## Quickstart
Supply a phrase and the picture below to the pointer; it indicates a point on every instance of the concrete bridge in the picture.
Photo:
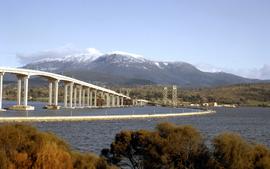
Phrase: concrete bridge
(77, 93)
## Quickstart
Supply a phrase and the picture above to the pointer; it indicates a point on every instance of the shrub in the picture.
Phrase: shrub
(23, 147)
(89, 161)
(170, 146)
(233, 152)
(182, 147)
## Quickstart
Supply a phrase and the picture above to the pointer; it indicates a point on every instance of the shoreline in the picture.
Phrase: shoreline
(95, 118)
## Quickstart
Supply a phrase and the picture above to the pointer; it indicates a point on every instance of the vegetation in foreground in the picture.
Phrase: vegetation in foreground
(169, 146)
(182, 147)
(24, 147)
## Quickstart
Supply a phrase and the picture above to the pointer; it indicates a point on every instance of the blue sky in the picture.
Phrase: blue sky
(228, 35)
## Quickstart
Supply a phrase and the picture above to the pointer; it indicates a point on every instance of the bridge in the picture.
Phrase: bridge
(77, 93)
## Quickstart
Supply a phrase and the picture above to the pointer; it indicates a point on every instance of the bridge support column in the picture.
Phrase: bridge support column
(113, 101)
(83, 97)
(23, 106)
(50, 93)
(95, 98)
(91, 98)
(107, 100)
(65, 95)
(19, 90)
(80, 96)
(103, 99)
(1, 90)
(134, 102)
(25, 82)
(118, 101)
(56, 92)
(53, 102)
(122, 101)
(88, 97)
(70, 94)
(75, 96)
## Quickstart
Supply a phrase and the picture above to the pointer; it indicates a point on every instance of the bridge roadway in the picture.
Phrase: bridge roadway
(77, 93)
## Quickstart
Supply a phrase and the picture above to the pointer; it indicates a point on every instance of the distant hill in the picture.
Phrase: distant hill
(241, 94)
(127, 69)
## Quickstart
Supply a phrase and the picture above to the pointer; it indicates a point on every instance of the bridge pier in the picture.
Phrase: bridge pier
(95, 98)
(80, 96)
(65, 94)
(56, 93)
(134, 102)
(83, 98)
(70, 94)
(75, 96)
(19, 106)
(117, 101)
(53, 92)
(50, 93)
(122, 101)
(19, 89)
(88, 97)
(107, 100)
(1, 90)
(113, 101)
(25, 94)
(103, 98)
(91, 99)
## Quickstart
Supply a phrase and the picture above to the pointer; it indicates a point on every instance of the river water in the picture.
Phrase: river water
(91, 136)
(39, 111)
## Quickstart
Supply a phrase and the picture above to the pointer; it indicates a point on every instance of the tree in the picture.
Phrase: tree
(170, 146)
(233, 152)
(182, 147)
(23, 147)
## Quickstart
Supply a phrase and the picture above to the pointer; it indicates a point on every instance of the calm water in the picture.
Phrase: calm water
(251, 123)
(39, 111)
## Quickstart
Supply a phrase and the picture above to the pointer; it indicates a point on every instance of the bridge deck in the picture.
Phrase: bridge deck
(76, 87)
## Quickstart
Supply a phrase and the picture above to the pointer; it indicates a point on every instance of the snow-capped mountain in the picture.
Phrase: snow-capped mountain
(130, 69)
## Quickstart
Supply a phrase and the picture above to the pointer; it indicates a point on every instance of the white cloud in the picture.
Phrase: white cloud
(255, 73)
(94, 52)
(55, 53)
(208, 68)
(126, 53)
(66, 51)
(265, 71)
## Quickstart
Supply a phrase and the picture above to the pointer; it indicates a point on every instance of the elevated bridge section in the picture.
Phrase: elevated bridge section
(77, 93)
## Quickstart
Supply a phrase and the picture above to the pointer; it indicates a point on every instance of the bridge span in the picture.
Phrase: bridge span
(77, 93)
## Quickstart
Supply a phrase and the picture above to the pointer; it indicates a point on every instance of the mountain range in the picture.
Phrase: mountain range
(120, 68)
